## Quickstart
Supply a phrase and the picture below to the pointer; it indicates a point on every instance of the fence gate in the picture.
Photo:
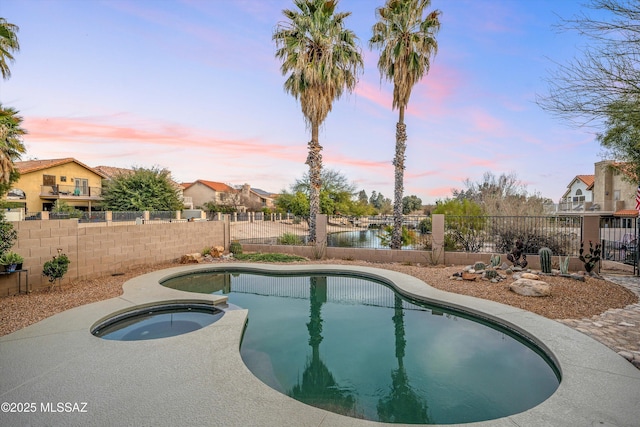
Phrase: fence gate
(620, 240)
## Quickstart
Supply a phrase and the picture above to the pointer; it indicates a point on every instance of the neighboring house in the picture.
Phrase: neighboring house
(613, 195)
(605, 193)
(43, 182)
(579, 192)
(257, 198)
(202, 191)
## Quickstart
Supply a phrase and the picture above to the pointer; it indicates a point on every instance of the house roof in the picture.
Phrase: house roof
(626, 212)
(215, 186)
(262, 193)
(29, 166)
(110, 171)
(587, 179)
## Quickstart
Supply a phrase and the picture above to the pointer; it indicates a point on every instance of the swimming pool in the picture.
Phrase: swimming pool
(356, 347)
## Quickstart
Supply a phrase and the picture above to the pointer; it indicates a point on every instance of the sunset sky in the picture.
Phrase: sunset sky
(193, 86)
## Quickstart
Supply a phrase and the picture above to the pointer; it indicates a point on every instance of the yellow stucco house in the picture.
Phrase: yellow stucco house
(42, 182)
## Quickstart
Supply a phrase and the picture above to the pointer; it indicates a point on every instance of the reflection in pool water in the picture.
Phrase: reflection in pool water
(355, 347)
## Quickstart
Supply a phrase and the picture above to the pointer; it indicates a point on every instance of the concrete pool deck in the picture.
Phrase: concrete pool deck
(199, 378)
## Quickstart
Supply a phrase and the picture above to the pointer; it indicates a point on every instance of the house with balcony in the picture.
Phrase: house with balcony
(606, 193)
(43, 182)
(579, 193)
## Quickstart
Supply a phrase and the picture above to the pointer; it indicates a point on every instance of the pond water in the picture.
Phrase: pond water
(366, 239)
(354, 346)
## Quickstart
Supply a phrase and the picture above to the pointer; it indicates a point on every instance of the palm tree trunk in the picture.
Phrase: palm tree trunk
(314, 160)
(398, 162)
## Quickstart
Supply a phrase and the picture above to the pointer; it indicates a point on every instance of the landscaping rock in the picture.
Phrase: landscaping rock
(530, 276)
(217, 251)
(531, 288)
(194, 258)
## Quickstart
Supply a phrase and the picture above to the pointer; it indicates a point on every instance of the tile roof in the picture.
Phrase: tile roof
(626, 212)
(111, 171)
(29, 166)
(587, 179)
(215, 186)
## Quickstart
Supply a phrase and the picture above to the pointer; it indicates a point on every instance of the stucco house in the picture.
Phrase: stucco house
(612, 194)
(579, 191)
(43, 182)
(255, 198)
(203, 191)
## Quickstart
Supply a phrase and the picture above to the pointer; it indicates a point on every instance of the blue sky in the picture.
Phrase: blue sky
(194, 86)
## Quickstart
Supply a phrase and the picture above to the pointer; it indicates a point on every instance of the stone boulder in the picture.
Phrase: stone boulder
(530, 276)
(217, 251)
(194, 258)
(531, 288)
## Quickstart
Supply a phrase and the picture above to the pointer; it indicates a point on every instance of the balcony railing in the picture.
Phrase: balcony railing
(69, 191)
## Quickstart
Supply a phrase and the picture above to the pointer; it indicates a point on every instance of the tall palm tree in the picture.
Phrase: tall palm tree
(11, 146)
(322, 59)
(8, 45)
(407, 43)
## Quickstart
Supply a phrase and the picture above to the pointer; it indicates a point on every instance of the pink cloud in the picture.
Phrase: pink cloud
(86, 131)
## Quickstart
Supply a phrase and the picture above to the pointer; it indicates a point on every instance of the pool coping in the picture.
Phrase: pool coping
(199, 378)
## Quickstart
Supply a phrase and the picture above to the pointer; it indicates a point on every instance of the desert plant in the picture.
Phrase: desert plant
(516, 253)
(495, 260)
(564, 265)
(545, 260)
(235, 248)
(206, 251)
(290, 239)
(591, 259)
(56, 268)
(491, 274)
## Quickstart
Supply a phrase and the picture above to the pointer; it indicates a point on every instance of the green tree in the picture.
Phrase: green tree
(11, 146)
(321, 58)
(621, 138)
(295, 203)
(407, 42)
(8, 45)
(411, 203)
(143, 190)
(464, 224)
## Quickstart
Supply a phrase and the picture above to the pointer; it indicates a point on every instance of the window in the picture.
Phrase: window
(82, 187)
(48, 180)
(616, 195)
(63, 179)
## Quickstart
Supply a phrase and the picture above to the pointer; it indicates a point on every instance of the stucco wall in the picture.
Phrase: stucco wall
(103, 250)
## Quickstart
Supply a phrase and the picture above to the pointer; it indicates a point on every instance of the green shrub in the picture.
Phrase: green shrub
(206, 251)
(260, 257)
(290, 239)
(8, 235)
(408, 236)
(56, 268)
(235, 248)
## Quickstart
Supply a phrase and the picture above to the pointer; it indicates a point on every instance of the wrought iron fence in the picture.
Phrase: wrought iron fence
(374, 232)
(499, 234)
(620, 240)
(289, 230)
(126, 216)
(93, 216)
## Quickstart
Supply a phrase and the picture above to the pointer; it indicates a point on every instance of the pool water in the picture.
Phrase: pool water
(157, 322)
(354, 346)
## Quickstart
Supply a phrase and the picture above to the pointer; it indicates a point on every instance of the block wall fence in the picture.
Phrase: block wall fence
(105, 248)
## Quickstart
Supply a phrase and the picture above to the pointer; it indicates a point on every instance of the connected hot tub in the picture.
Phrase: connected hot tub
(157, 321)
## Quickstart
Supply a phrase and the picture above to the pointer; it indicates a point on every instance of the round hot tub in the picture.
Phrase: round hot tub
(158, 321)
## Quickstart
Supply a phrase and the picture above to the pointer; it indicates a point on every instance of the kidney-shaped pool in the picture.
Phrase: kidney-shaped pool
(357, 347)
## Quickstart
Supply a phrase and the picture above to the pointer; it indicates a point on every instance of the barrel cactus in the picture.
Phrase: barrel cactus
(545, 260)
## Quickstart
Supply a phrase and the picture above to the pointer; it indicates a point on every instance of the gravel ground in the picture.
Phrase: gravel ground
(569, 299)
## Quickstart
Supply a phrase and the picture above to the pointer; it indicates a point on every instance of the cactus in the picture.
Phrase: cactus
(491, 274)
(545, 260)
(564, 265)
(479, 266)
(495, 260)
(515, 255)
(591, 259)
